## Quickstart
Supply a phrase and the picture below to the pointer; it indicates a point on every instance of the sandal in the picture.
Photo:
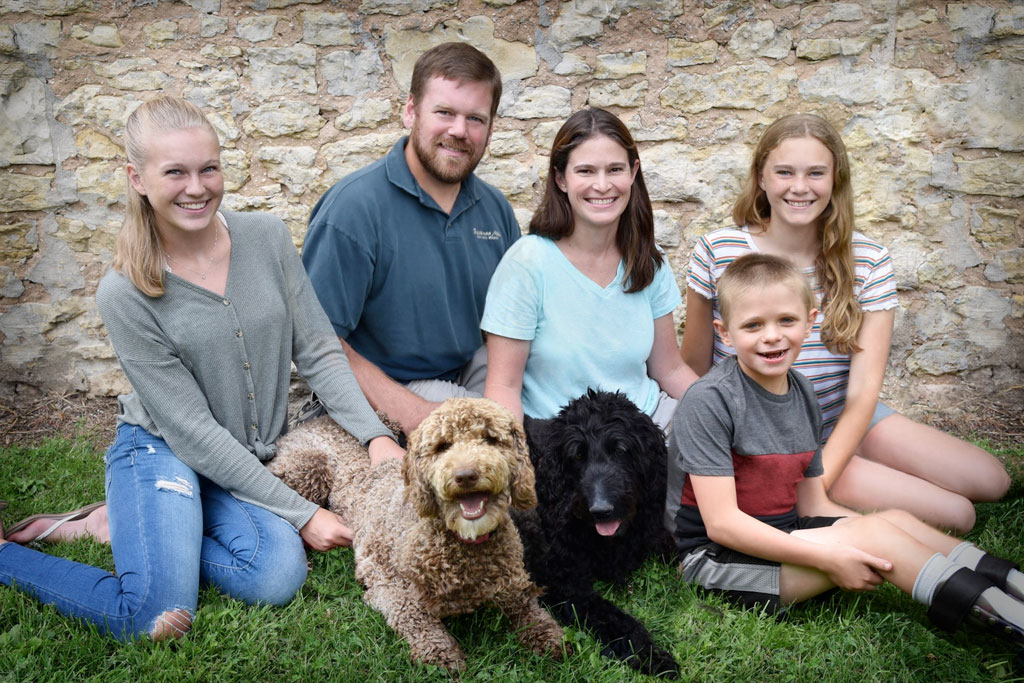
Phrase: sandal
(58, 520)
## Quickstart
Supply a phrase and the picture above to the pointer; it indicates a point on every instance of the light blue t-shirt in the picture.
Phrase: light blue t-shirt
(581, 334)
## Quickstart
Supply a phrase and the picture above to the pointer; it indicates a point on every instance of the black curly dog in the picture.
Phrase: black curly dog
(600, 468)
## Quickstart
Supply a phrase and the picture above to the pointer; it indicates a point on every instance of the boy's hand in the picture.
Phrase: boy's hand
(852, 569)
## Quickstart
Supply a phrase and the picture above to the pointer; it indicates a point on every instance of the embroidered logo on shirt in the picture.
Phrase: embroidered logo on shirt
(486, 234)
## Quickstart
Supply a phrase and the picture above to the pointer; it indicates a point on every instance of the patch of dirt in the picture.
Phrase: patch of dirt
(28, 421)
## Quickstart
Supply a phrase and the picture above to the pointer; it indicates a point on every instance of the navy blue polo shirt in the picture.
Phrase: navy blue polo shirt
(401, 280)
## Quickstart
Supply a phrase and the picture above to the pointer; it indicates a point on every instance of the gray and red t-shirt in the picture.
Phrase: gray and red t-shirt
(728, 425)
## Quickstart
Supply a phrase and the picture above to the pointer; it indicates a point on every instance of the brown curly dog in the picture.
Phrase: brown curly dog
(443, 544)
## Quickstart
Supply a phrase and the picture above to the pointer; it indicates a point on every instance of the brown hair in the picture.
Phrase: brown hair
(635, 235)
(833, 267)
(755, 271)
(459, 62)
(138, 254)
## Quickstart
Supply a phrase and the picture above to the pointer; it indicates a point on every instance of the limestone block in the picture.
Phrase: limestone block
(621, 65)
(514, 60)
(508, 175)
(57, 271)
(572, 65)
(210, 26)
(290, 118)
(292, 166)
(855, 46)
(995, 227)
(345, 156)
(1007, 266)
(614, 95)
(668, 230)
(760, 39)
(500, 3)
(543, 135)
(220, 80)
(523, 217)
(204, 6)
(25, 329)
(215, 51)
(984, 109)
(18, 241)
(670, 128)
(19, 192)
(400, 8)
(326, 28)
(687, 53)
(614, 9)
(294, 214)
(816, 49)
(160, 33)
(24, 126)
(261, 5)
(751, 86)
(352, 73)
(141, 81)
(110, 382)
(728, 13)
(508, 143)
(48, 8)
(677, 172)
(1009, 22)
(572, 29)
(40, 37)
(944, 356)
(935, 319)
(974, 21)
(256, 29)
(88, 236)
(907, 250)
(235, 168)
(367, 112)
(984, 312)
(911, 19)
(1002, 175)
(11, 287)
(122, 66)
(275, 70)
(7, 44)
(813, 17)
(85, 106)
(861, 85)
(542, 102)
(102, 35)
(102, 179)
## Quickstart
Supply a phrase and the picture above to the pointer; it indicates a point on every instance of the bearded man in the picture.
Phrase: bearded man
(400, 252)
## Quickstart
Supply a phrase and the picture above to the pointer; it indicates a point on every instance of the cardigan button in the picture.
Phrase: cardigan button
(251, 396)
(238, 333)
(227, 302)
(246, 366)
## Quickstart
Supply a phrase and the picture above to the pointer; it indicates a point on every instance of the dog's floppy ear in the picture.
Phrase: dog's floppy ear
(417, 489)
(524, 495)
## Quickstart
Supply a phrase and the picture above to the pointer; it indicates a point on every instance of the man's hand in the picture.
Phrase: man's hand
(325, 530)
(382, 448)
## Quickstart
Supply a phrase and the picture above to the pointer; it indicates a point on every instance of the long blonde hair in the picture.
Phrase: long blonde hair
(833, 266)
(138, 254)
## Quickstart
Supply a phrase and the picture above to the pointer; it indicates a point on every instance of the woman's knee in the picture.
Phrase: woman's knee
(175, 623)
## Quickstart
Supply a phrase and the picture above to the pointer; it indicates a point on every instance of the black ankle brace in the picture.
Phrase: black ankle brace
(954, 599)
(995, 569)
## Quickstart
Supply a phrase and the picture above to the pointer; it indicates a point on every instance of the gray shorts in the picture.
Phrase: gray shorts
(747, 580)
(882, 411)
(469, 383)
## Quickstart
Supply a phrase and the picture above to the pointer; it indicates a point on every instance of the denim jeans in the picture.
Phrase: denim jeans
(170, 531)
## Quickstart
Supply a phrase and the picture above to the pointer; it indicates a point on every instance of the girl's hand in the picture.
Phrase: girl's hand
(382, 448)
(325, 530)
(852, 569)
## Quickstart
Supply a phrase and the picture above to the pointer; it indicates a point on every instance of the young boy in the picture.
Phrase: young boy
(755, 522)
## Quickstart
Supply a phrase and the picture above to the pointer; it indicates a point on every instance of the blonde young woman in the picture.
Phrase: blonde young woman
(206, 311)
(797, 203)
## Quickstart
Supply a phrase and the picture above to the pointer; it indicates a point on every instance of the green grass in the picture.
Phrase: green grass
(327, 633)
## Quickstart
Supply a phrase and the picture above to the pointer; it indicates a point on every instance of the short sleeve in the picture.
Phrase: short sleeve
(875, 276)
(699, 275)
(702, 431)
(512, 307)
(664, 291)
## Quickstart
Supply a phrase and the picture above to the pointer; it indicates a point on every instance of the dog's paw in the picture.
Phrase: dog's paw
(443, 656)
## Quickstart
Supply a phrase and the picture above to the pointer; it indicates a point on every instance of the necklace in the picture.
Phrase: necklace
(209, 259)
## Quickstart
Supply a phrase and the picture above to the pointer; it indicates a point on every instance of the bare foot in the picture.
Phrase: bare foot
(94, 525)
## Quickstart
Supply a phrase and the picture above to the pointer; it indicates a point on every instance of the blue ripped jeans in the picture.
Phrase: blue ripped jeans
(170, 530)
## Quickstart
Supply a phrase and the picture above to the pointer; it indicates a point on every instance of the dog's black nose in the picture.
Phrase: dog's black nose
(466, 477)
(601, 508)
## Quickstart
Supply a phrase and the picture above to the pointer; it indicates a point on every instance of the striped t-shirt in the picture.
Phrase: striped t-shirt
(874, 286)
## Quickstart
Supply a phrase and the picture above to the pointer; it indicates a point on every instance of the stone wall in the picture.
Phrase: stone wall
(929, 97)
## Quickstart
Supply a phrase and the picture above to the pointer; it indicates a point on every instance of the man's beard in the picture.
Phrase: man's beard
(444, 168)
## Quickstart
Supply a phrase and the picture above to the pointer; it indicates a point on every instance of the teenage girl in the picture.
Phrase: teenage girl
(797, 203)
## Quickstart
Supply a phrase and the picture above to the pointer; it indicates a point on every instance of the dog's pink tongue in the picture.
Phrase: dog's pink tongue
(607, 528)
(473, 505)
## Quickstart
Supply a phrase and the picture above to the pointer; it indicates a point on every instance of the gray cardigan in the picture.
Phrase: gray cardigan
(210, 373)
